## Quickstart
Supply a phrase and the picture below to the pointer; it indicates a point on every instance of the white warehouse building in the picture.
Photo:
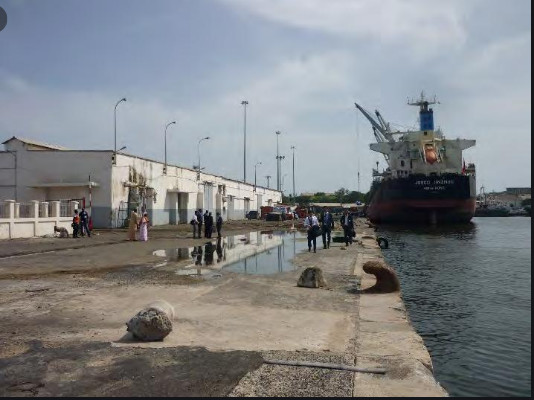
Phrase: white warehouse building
(112, 184)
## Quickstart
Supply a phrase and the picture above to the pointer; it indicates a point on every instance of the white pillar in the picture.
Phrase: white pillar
(73, 205)
(10, 208)
(55, 209)
(34, 209)
(16, 210)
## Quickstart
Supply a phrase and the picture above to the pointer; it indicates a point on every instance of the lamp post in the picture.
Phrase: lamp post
(258, 163)
(244, 103)
(166, 126)
(206, 138)
(115, 121)
(278, 162)
(294, 194)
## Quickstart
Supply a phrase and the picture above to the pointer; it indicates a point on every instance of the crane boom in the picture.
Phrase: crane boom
(385, 135)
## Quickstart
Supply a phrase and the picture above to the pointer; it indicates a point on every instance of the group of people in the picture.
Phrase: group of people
(136, 223)
(80, 224)
(324, 225)
(206, 219)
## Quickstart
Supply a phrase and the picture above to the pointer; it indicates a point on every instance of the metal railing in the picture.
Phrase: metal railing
(64, 208)
(25, 210)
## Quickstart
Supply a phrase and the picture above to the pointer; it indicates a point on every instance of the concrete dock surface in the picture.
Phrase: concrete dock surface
(64, 305)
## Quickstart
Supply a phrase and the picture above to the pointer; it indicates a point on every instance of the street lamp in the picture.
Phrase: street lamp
(258, 163)
(244, 103)
(206, 138)
(278, 162)
(122, 148)
(294, 194)
(115, 120)
(166, 126)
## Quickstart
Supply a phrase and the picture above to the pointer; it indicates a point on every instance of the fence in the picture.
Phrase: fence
(30, 219)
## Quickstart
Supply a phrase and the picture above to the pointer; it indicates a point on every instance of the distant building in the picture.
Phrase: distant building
(523, 190)
(114, 184)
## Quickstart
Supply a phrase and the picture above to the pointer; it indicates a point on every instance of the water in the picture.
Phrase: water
(262, 253)
(468, 293)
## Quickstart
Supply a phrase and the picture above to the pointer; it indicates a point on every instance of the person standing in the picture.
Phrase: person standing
(327, 224)
(75, 224)
(348, 226)
(219, 224)
(132, 224)
(143, 228)
(194, 223)
(200, 219)
(84, 221)
(206, 223)
(312, 225)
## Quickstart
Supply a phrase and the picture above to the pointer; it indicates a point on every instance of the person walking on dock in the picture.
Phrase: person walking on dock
(219, 224)
(75, 224)
(84, 223)
(312, 224)
(327, 224)
(348, 227)
(143, 228)
(205, 218)
(200, 219)
(132, 224)
(194, 224)
(209, 225)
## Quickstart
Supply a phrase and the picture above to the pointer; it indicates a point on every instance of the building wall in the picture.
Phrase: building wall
(178, 193)
(65, 167)
(168, 198)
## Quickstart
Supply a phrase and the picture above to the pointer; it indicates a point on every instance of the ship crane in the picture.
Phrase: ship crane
(381, 129)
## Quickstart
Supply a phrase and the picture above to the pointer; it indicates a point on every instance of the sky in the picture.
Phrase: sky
(301, 65)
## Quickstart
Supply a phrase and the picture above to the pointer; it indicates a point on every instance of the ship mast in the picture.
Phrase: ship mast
(426, 114)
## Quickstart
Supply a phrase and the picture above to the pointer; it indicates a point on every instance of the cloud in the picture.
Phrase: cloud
(427, 26)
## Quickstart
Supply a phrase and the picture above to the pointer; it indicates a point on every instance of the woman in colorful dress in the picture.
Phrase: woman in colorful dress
(132, 224)
(143, 228)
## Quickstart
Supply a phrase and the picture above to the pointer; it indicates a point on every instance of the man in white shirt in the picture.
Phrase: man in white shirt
(194, 223)
(312, 225)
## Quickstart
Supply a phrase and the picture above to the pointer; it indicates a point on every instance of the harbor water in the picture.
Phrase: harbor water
(467, 290)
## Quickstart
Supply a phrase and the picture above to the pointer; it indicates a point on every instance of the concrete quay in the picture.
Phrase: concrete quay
(63, 325)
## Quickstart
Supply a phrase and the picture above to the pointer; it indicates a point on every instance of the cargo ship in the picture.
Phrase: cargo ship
(426, 179)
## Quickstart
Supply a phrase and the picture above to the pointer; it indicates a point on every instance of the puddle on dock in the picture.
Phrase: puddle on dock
(258, 253)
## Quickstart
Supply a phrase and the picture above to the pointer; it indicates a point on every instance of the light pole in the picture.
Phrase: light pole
(166, 126)
(115, 121)
(294, 194)
(206, 138)
(258, 163)
(244, 103)
(268, 180)
(279, 159)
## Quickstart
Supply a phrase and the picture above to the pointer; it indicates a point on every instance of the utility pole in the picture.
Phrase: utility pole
(294, 193)
(244, 104)
(268, 177)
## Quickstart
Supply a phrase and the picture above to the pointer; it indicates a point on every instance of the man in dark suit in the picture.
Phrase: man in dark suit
(327, 224)
(348, 226)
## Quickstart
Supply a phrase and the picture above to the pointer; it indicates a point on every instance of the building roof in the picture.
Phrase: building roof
(36, 143)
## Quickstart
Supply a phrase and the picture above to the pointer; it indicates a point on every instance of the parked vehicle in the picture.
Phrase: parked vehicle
(253, 214)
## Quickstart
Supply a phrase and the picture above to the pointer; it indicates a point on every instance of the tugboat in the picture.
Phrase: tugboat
(426, 180)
